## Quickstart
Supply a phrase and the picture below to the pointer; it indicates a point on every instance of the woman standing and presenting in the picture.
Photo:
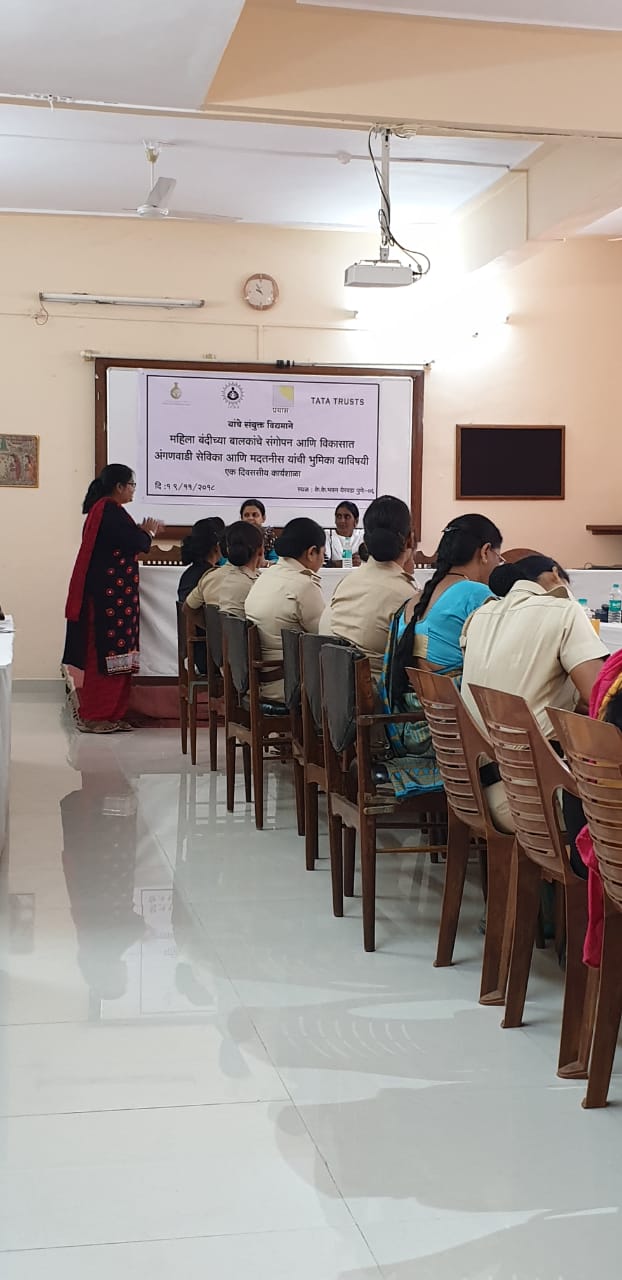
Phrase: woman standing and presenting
(102, 609)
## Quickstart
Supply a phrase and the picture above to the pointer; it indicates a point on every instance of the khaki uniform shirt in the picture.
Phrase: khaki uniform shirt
(289, 597)
(226, 587)
(528, 644)
(363, 605)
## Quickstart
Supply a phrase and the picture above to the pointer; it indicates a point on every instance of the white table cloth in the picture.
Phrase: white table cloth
(158, 593)
(158, 620)
(6, 661)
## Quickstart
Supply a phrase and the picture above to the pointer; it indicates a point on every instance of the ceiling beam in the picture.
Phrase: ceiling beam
(382, 68)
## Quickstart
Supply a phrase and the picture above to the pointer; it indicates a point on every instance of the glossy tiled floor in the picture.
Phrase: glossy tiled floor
(205, 1076)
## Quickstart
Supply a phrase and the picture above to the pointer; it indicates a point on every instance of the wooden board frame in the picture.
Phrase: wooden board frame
(509, 497)
(177, 531)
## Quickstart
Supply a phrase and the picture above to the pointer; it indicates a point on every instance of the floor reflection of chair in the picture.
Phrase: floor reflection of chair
(593, 750)
(292, 695)
(354, 802)
(459, 747)
(533, 775)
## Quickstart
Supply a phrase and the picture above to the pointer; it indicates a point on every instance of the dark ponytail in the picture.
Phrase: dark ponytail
(202, 540)
(461, 540)
(244, 540)
(105, 484)
(387, 525)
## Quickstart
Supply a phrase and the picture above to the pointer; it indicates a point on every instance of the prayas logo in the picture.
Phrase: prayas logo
(282, 398)
(233, 393)
(175, 391)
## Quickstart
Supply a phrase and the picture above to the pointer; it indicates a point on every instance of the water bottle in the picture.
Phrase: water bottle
(615, 604)
(346, 555)
(585, 606)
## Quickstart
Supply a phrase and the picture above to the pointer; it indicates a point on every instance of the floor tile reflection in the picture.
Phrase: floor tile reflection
(203, 1072)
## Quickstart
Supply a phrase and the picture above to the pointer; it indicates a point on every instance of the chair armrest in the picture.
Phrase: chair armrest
(274, 668)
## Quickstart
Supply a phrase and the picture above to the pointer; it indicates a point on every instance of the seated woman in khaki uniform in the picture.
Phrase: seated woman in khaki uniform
(289, 594)
(537, 642)
(365, 601)
(228, 586)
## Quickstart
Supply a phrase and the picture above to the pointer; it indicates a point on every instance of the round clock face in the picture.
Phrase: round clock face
(260, 292)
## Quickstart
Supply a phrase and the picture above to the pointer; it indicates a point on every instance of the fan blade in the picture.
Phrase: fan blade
(159, 191)
(183, 215)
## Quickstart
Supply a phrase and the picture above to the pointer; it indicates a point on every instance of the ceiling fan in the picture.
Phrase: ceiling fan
(160, 189)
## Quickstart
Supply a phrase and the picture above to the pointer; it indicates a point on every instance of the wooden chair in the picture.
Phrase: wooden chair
(292, 698)
(533, 774)
(162, 555)
(190, 682)
(459, 747)
(593, 750)
(518, 553)
(423, 561)
(215, 685)
(249, 718)
(313, 747)
(349, 715)
(237, 714)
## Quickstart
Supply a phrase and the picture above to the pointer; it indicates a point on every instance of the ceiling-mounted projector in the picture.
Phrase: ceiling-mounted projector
(375, 274)
(384, 272)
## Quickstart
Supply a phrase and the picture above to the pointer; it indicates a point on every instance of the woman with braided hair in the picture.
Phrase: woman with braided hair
(426, 634)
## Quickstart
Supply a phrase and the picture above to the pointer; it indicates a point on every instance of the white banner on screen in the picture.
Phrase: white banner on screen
(300, 439)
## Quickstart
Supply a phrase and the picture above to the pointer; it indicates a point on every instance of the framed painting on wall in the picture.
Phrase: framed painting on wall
(19, 462)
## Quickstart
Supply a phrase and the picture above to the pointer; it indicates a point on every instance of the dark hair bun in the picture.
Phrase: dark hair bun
(243, 541)
(502, 579)
(386, 526)
(384, 544)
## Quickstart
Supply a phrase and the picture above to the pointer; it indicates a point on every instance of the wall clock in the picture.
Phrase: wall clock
(260, 291)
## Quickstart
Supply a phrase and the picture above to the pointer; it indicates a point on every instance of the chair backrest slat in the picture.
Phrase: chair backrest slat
(213, 632)
(458, 744)
(311, 646)
(291, 669)
(337, 665)
(532, 775)
(236, 631)
(593, 749)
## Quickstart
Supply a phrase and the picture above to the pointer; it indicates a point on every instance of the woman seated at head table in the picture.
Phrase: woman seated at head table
(346, 520)
(228, 585)
(426, 633)
(289, 596)
(537, 642)
(254, 511)
(364, 602)
(201, 552)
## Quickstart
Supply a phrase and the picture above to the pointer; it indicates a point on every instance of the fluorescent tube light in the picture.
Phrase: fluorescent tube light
(114, 300)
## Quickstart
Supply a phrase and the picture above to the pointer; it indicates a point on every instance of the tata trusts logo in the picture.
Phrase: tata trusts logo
(233, 393)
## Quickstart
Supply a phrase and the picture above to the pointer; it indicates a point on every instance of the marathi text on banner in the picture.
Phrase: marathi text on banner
(213, 436)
